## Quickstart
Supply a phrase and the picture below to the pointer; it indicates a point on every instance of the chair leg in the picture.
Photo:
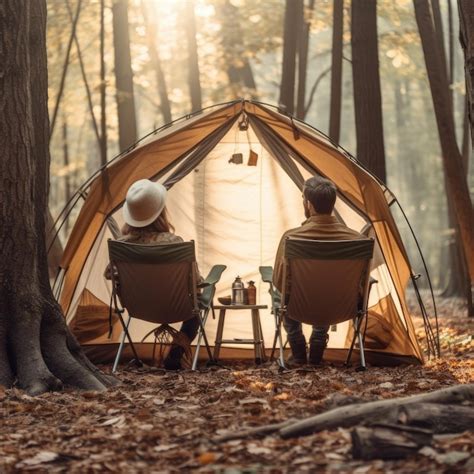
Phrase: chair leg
(362, 353)
(198, 343)
(351, 348)
(206, 342)
(122, 343)
(281, 360)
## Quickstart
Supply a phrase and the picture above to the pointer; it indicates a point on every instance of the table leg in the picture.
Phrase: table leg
(220, 330)
(256, 336)
(264, 356)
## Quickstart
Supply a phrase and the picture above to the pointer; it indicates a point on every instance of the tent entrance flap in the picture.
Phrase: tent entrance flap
(236, 212)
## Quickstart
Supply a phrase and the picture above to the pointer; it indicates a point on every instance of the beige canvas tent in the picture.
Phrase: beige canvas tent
(236, 214)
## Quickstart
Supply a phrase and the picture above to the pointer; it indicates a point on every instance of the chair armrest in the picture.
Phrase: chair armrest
(267, 274)
(208, 286)
(213, 277)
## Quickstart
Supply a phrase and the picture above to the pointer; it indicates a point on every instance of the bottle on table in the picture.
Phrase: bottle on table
(238, 291)
(252, 293)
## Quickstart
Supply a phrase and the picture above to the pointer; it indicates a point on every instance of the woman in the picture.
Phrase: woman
(146, 222)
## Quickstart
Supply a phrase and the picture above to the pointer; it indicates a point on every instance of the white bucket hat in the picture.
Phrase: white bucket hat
(144, 203)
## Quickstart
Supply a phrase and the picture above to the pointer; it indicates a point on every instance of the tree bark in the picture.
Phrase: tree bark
(367, 94)
(36, 347)
(336, 71)
(194, 75)
(151, 35)
(290, 35)
(452, 159)
(123, 76)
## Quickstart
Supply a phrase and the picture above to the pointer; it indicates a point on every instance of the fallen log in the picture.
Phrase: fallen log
(388, 441)
(351, 415)
(436, 417)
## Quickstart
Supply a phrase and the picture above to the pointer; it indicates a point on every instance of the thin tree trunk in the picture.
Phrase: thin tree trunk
(103, 119)
(367, 94)
(290, 36)
(452, 159)
(336, 71)
(123, 76)
(42, 353)
(62, 82)
(151, 34)
(303, 47)
(236, 59)
(67, 183)
(194, 74)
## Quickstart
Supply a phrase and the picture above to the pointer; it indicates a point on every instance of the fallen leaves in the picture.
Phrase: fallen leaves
(168, 421)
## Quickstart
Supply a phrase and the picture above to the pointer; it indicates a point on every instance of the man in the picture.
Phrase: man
(319, 197)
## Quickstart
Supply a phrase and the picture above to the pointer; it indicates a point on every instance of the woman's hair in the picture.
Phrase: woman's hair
(160, 224)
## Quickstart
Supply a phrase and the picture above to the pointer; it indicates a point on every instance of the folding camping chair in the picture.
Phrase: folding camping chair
(327, 282)
(158, 284)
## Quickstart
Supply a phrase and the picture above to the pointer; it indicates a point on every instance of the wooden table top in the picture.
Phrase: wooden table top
(241, 306)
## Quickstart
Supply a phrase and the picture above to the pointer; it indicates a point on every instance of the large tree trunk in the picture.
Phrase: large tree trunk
(36, 347)
(293, 11)
(194, 74)
(466, 36)
(151, 34)
(458, 283)
(336, 71)
(452, 159)
(123, 76)
(367, 94)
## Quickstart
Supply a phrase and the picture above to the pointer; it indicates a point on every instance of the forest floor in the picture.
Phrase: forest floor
(167, 422)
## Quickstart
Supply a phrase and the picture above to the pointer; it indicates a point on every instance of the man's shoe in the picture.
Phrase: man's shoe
(298, 355)
(316, 351)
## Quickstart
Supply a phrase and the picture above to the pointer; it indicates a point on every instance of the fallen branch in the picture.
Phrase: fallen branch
(351, 415)
(254, 432)
(388, 442)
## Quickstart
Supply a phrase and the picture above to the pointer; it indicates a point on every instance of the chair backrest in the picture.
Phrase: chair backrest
(326, 279)
(156, 283)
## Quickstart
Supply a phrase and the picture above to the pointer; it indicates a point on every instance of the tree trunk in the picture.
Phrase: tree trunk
(466, 37)
(151, 35)
(367, 94)
(336, 71)
(303, 46)
(67, 181)
(123, 76)
(103, 85)
(194, 74)
(236, 58)
(290, 37)
(36, 347)
(452, 159)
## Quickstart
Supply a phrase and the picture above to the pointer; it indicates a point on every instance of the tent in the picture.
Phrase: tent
(236, 207)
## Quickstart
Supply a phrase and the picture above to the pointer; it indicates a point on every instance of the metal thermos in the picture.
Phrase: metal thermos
(238, 291)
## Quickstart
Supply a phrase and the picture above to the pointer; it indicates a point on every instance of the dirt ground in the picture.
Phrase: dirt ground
(168, 422)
